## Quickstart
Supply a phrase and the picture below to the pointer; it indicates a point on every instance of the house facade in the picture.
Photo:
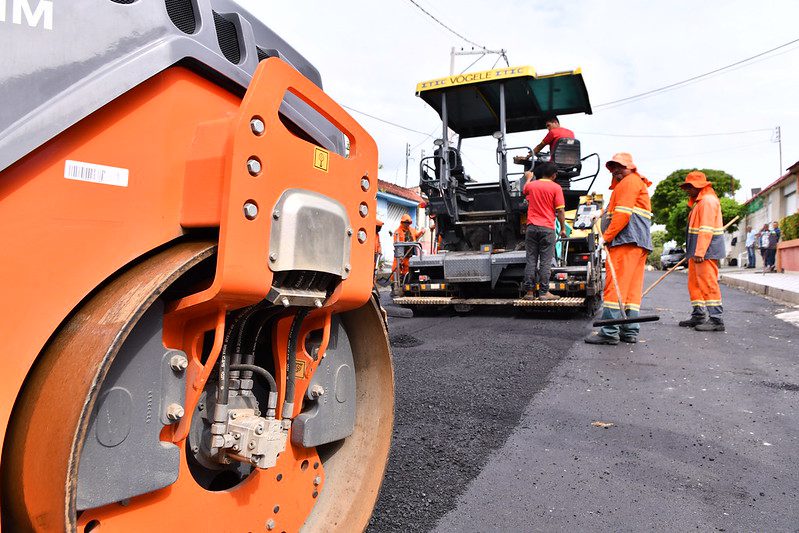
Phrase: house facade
(393, 201)
(773, 203)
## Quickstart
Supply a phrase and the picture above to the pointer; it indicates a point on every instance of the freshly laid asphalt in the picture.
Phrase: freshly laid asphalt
(495, 411)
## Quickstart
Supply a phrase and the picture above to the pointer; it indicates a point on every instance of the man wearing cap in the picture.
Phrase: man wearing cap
(406, 233)
(704, 247)
(628, 242)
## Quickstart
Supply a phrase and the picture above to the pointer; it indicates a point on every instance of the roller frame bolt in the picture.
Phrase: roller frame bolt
(349, 232)
(365, 183)
(253, 166)
(257, 126)
(361, 236)
(273, 257)
(178, 362)
(270, 524)
(317, 391)
(250, 210)
(175, 412)
(317, 481)
(363, 209)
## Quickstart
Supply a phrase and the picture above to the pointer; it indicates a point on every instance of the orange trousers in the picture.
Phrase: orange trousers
(629, 262)
(703, 287)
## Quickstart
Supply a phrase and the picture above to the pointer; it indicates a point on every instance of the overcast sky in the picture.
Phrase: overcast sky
(371, 54)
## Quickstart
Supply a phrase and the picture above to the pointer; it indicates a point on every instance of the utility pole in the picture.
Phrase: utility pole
(482, 52)
(407, 157)
(779, 144)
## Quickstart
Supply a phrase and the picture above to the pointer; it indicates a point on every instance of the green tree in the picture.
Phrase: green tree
(659, 238)
(670, 203)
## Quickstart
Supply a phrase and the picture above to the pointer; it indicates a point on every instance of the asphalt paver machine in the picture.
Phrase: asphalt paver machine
(480, 224)
(189, 338)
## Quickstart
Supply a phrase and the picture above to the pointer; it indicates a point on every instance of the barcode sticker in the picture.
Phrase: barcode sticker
(78, 170)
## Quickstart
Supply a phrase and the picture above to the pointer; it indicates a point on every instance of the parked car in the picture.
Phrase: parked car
(671, 257)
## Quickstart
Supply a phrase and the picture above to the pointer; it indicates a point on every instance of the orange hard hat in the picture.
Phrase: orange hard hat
(378, 223)
(406, 218)
(624, 159)
(695, 179)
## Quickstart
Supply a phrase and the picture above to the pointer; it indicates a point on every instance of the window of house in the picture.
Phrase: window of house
(790, 198)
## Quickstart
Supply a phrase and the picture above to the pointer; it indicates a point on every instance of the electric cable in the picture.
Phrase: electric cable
(692, 79)
(426, 12)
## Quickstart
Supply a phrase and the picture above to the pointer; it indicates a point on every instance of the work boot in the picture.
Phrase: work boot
(548, 296)
(710, 325)
(629, 339)
(530, 295)
(692, 322)
(601, 339)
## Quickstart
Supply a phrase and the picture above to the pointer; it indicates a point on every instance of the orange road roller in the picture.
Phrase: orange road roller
(190, 341)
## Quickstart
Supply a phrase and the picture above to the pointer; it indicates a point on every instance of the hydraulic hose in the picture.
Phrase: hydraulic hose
(291, 363)
(271, 403)
(264, 373)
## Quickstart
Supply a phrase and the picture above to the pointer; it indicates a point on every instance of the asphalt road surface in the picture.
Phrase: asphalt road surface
(494, 422)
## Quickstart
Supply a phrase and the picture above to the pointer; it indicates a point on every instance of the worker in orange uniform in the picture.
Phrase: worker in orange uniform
(704, 247)
(378, 246)
(406, 233)
(628, 242)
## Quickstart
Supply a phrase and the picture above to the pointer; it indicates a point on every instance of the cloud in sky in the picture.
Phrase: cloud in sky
(371, 54)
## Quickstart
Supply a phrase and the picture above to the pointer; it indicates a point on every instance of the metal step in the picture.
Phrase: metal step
(449, 300)
(498, 212)
(477, 222)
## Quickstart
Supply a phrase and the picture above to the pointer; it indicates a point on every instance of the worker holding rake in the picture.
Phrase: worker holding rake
(628, 242)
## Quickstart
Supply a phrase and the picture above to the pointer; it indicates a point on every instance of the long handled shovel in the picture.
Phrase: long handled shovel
(623, 319)
(683, 260)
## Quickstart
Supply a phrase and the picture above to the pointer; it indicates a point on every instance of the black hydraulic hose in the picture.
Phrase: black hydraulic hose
(249, 356)
(291, 362)
(245, 318)
(264, 373)
(223, 389)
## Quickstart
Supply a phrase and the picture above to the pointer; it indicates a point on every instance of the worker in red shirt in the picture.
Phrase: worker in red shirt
(555, 132)
(704, 247)
(627, 243)
(544, 203)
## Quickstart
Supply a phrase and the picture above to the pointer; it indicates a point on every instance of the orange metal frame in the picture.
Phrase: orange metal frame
(185, 142)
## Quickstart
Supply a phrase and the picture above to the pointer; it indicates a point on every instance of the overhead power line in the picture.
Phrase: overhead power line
(384, 120)
(693, 79)
(426, 12)
(637, 136)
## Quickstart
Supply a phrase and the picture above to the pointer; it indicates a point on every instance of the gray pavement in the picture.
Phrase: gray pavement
(494, 423)
(704, 432)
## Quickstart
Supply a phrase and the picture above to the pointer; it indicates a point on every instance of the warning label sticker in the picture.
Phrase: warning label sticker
(80, 171)
(299, 369)
(321, 159)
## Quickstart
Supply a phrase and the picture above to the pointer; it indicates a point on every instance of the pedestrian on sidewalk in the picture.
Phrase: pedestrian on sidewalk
(751, 237)
(704, 248)
(762, 240)
(773, 239)
(628, 242)
(544, 203)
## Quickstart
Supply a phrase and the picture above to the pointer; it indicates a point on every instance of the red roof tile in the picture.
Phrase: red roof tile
(396, 190)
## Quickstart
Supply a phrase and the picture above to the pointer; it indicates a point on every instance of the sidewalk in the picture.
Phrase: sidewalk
(783, 286)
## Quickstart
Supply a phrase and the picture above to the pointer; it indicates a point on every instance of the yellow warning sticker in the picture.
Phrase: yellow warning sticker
(321, 159)
(299, 370)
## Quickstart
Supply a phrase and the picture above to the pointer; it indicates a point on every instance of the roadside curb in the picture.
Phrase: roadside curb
(765, 290)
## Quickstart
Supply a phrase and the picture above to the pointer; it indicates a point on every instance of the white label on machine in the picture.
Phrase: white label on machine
(78, 170)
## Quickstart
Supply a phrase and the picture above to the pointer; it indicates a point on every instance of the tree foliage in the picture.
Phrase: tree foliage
(659, 238)
(670, 203)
